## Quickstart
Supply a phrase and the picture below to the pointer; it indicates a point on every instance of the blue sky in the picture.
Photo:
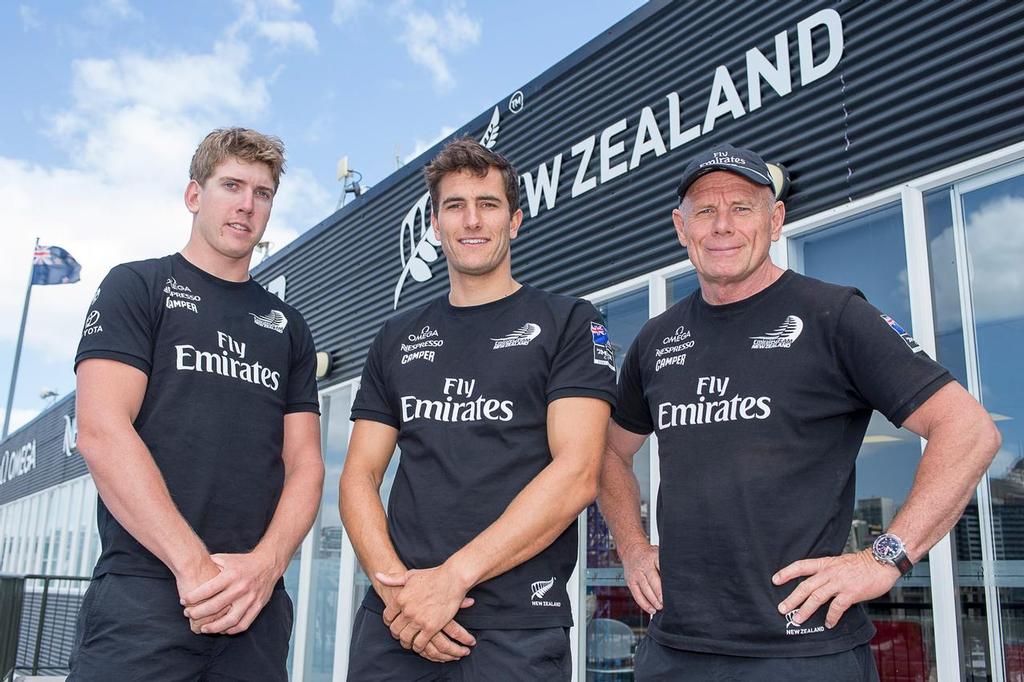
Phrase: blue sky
(104, 102)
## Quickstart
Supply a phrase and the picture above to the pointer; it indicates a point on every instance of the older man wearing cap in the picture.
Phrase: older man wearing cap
(760, 386)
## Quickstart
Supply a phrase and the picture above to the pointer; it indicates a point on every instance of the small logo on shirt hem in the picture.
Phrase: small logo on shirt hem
(797, 628)
(541, 588)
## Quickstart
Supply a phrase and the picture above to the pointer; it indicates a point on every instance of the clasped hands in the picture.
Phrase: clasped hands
(227, 592)
(420, 607)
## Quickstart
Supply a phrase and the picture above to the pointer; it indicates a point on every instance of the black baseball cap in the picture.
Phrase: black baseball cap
(725, 157)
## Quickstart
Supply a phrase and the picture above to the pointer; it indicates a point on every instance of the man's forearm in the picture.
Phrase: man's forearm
(957, 454)
(619, 501)
(296, 510)
(135, 493)
(532, 521)
(366, 524)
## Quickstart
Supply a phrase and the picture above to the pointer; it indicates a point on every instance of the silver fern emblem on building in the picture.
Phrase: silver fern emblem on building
(541, 587)
(417, 246)
(275, 320)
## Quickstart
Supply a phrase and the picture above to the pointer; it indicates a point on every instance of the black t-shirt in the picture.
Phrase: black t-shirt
(760, 407)
(226, 361)
(468, 390)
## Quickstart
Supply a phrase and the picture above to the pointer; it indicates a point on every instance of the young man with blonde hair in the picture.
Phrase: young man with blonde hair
(199, 421)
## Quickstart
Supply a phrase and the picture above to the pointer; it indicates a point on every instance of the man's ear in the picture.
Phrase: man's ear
(192, 192)
(515, 223)
(677, 221)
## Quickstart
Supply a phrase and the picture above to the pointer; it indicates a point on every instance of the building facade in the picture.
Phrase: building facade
(902, 125)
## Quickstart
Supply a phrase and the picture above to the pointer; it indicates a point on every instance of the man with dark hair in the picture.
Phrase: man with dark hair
(199, 420)
(497, 395)
(760, 386)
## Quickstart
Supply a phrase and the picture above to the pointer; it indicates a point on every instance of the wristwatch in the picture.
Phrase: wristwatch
(888, 549)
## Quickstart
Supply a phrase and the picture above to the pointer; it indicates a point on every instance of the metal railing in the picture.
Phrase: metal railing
(38, 616)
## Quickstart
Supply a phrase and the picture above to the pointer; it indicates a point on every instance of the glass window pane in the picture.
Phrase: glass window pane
(949, 350)
(322, 612)
(868, 252)
(681, 286)
(995, 248)
(614, 623)
(362, 581)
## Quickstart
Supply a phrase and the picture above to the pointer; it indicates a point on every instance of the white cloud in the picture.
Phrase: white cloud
(284, 34)
(430, 39)
(105, 11)
(129, 133)
(273, 20)
(21, 416)
(420, 146)
(345, 10)
(30, 20)
(996, 246)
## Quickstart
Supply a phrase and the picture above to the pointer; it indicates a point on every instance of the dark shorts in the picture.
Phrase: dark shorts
(132, 628)
(506, 655)
(657, 663)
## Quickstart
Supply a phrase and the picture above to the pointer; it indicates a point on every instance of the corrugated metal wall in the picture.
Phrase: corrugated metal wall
(919, 87)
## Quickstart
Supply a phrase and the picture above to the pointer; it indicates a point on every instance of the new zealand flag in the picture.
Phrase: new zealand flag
(54, 265)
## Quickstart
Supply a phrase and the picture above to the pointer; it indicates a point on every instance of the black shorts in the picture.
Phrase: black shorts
(132, 628)
(657, 663)
(506, 655)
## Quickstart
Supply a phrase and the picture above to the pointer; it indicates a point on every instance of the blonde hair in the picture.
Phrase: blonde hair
(238, 143)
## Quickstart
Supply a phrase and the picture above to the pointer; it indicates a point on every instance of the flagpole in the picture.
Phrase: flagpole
(17, 350)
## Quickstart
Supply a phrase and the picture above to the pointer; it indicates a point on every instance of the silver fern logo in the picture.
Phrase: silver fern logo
(782, 336)
(541, 587)
(520, 337)
(417, 246)
(275, 320)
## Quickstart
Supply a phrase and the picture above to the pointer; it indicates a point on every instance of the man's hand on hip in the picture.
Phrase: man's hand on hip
(846, 580)
(642, 567)
(426, 605)
(236, 595)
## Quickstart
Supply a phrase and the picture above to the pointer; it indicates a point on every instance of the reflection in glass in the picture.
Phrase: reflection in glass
(681, 286)
(949, 347)
(291, 585)
(868, 252)
(327, 539)
(613, 620)
(995, 248)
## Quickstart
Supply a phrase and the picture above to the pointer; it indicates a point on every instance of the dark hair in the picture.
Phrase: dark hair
(239, 143)
(465, 154)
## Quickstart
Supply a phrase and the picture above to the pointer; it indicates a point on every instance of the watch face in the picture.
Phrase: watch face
(887, 547)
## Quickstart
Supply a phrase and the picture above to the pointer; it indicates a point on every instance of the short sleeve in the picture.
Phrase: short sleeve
(119, 324)
(631, 409)
(884, 363)
(302, 394)
(584, 363)
(371, 401)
